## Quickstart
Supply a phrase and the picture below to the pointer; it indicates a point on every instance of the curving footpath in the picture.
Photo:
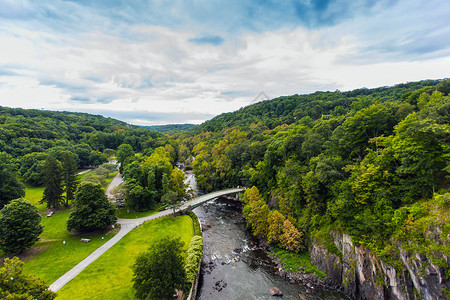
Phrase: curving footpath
(126, 226)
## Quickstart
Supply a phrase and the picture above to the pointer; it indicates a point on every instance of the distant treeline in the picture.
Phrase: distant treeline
(170, 128)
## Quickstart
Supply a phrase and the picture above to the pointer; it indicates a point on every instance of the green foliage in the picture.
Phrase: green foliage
(195, 221)
(123, 152)
(294, 262)
(276, 225)
(355, 162)
(19, 226)
(14, 284)
(31, 168)
(91, 209)
(53, 174)
(26, 131)
(160, 270)
(152, 180)
(10, 187)
(194, 256)
(70, 180)
(171, 128)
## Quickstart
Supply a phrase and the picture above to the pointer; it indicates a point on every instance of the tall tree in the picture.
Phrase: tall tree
(53, 174)
(123, 152)
(91, 209)
(160, 270)
(10, 187)
(276, 225)
(19, 226)
(291, 237)
(69, 168)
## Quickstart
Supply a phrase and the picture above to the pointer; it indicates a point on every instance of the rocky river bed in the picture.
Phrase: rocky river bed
(236, 265)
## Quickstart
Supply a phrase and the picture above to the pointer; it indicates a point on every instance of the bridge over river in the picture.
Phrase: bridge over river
(126, 226)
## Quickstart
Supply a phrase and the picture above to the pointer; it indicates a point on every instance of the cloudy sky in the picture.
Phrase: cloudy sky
(161, 61)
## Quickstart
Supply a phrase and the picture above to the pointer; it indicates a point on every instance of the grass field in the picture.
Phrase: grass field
(50, 257)
(125, 213)
(292, 261)
(34, 195)
(109, 277)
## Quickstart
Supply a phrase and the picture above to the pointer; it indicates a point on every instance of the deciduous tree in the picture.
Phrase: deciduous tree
(91, 209)
(276, 224)
(14, 284)
(19, 226)
(160, 270)
(10, 186)
(291, 237)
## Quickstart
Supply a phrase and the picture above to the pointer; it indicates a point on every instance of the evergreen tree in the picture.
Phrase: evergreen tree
(53, 174)
(69, 167)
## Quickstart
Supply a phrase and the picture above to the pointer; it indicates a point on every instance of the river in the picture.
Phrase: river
(233, 265)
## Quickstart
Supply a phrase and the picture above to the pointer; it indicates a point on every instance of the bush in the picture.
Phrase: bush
(195, 253)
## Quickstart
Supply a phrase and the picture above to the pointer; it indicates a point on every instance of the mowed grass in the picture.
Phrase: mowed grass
(109, 277)
(34, 195)
(50, 258)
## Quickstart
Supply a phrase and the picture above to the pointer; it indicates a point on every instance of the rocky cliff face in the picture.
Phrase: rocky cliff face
(363, 275)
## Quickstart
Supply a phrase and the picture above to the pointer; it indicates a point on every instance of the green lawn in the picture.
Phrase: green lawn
(53, 258)
(125, 213)
(49, 258)
(293, 261)
(109, 277)
(34, 195)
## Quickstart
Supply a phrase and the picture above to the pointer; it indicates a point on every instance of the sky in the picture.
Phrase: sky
(163, 62)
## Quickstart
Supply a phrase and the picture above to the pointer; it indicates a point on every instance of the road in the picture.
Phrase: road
(126, 225)
(117, 180)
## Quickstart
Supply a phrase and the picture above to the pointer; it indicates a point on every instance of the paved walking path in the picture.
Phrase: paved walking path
(126, 226)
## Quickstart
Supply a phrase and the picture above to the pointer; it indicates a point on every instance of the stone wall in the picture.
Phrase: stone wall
(363, 275)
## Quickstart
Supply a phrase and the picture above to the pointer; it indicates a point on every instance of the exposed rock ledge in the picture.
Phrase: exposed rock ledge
(363, 275)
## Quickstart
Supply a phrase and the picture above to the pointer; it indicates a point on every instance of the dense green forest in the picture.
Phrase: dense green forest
(372, 163)
(170, 128)
(27, 137)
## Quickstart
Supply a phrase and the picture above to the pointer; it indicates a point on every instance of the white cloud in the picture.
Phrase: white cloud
(159, 70)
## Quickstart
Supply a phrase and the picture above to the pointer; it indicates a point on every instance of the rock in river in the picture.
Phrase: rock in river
(274, 291)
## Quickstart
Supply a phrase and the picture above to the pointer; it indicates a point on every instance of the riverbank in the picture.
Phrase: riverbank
(310, 280)
(235, 265)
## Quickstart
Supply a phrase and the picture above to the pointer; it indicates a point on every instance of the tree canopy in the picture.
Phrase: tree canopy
(20, 226)
(91, 209)
(10, 186)
(14, 284)
(346, 161)
(160, 270)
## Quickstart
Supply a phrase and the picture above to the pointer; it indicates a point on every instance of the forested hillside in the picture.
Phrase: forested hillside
(171, 128)
(24, 131)
(28, 137)
(370, 163)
